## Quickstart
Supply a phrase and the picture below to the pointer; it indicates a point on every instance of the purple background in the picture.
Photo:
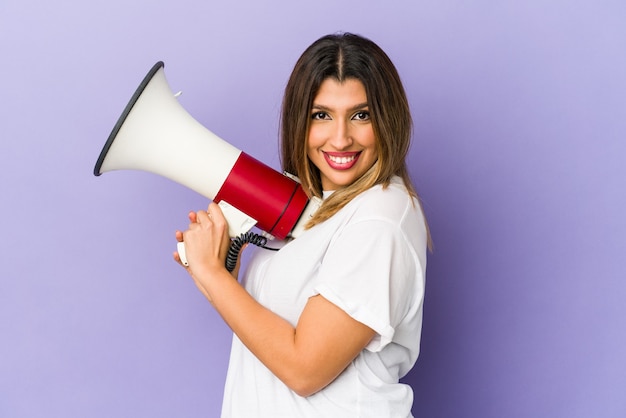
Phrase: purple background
(520, 114)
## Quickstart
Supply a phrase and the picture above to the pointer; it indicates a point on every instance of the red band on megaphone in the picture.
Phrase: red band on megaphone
(274, 200)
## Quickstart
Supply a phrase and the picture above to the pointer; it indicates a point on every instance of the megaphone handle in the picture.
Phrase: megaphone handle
(238, 223)
(235, 247)
(180, 247)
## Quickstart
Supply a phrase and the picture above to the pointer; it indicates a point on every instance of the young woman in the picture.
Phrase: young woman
(327, 325)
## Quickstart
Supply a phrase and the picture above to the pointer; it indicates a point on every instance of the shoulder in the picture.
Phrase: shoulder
(391, 211)
(393, 203)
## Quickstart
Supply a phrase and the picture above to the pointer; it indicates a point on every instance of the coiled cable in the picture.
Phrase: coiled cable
(237, 244)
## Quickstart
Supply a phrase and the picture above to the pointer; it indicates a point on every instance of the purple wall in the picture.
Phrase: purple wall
(520, 114)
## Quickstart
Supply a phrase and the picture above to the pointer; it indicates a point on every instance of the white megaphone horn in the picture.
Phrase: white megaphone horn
(156, 134)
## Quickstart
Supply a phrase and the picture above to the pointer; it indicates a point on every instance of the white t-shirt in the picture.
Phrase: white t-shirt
(369, 259)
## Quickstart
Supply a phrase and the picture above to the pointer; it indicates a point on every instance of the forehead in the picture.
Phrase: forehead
(347, 93)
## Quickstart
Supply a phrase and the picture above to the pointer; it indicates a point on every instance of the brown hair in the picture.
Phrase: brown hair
(341, 57)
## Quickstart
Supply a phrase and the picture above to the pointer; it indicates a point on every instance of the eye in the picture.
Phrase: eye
(362, 115)
(320, 116)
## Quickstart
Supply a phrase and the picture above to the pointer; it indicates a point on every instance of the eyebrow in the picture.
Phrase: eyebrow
(326, 108)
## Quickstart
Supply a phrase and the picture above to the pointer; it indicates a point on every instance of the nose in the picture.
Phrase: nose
(341, 138)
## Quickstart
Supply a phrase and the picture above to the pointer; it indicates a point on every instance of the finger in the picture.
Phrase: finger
(203, 216)
(192, 217)
(179, 236)
(217, 216)
(215, 211)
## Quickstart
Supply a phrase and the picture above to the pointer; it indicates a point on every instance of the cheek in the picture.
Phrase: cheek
(372, 137)
(371, 142)
(311, 150)
(314, 137)
(315, 141)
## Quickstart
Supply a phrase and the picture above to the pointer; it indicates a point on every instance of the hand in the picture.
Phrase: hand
(206, 245)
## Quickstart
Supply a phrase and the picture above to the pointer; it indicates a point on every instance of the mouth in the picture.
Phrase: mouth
(341, 160)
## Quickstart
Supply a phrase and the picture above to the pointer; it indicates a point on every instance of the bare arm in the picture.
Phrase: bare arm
(306, 358)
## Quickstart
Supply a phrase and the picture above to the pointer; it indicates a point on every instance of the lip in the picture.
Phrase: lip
(341, 160)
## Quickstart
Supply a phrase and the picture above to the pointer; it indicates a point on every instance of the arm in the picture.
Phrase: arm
(306, 358)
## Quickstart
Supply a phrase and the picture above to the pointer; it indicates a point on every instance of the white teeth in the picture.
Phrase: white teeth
(341, 160)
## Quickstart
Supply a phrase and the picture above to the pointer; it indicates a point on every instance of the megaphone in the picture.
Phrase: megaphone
(156, 134)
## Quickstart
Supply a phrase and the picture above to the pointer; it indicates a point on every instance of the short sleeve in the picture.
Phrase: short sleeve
(366, 273)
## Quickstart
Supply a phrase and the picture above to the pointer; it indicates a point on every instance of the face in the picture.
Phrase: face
(341, 140)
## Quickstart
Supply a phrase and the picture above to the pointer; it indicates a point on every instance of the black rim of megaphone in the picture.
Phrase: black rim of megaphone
(122, 118)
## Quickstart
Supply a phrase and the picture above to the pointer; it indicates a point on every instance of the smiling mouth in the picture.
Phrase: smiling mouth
(341, 161)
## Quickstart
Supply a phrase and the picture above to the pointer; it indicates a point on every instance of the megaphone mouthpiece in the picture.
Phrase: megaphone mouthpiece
(120, 122)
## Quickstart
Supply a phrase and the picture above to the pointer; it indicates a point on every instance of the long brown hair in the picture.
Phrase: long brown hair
(340, 57)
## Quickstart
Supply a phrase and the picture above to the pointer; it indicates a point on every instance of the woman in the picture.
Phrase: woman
(327, 325)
